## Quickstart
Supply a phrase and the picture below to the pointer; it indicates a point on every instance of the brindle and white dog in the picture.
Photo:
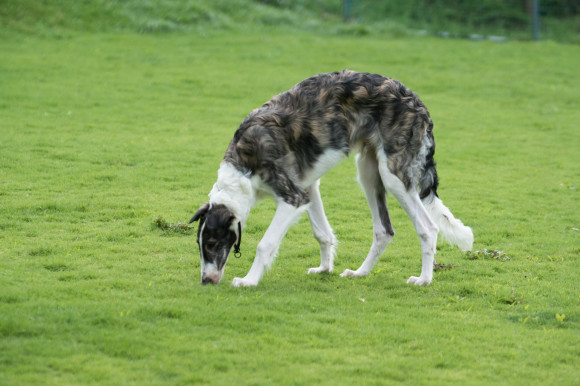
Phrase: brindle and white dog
(283, 148)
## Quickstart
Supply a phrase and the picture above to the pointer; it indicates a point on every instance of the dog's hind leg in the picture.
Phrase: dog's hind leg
(370, 180)
(424, 225)
(322, 231)
(285, 216)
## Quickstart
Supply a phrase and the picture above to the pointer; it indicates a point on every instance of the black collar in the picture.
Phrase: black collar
(237, 252)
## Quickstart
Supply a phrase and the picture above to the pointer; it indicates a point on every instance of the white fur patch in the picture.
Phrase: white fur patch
(234, 190)
(326, 161)
(201, 245)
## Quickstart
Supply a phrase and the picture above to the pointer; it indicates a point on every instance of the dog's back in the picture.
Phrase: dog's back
(337, 111)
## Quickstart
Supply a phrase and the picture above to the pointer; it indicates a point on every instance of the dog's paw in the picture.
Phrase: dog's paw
(351, 273)
(424, 281)
(243, 282)
(320, 269)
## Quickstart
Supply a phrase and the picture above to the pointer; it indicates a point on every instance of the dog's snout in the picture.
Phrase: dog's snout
(208, 279)
(209, 273)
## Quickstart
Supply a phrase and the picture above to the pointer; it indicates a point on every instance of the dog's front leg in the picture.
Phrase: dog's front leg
(285, 216)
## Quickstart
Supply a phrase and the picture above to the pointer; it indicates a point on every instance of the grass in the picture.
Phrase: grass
(102, 133)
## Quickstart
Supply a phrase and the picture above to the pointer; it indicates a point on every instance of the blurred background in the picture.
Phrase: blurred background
(475, 19)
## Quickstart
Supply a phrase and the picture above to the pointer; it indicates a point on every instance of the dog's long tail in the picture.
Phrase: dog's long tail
(450, 228)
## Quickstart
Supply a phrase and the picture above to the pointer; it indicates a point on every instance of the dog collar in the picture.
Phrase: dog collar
(237, 253)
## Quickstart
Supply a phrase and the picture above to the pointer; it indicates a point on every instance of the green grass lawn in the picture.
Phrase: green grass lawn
(101, 133)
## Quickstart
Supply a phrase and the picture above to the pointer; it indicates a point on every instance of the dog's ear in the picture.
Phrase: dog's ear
(200, 213)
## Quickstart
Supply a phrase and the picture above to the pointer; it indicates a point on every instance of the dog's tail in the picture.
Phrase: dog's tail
(450, 228)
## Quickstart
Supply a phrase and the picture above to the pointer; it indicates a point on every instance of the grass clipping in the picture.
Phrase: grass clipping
(160, 223)
(485, 254)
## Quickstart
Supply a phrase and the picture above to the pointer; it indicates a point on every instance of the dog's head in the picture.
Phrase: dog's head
(219, 230)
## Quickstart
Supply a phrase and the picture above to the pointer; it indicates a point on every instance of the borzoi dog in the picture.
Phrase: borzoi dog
(283, 148)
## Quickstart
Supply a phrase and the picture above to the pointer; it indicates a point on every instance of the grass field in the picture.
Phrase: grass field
(100, 133)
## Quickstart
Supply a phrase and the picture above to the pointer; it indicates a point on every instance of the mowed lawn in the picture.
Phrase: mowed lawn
(100, 134)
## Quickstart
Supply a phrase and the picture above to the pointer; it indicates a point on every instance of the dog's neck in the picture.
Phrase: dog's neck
(234, 190)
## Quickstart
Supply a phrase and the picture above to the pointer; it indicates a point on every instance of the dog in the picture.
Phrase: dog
(283, 148)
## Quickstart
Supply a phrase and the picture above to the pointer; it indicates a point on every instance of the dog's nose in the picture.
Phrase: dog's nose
(207, 279)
